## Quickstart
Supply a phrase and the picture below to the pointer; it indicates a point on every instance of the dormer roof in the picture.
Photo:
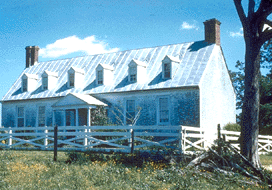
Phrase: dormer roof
(105, 66)
(168, 58)
(137, 62)
(30, 76)
(76, 70)
(49, 73)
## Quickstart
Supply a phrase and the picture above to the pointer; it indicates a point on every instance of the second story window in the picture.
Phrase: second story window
(71, 80)
(45, 83)
(24, 84)
(99, 77)
(167, 70)
(133, 74)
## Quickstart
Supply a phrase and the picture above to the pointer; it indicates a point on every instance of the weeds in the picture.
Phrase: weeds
(36, 170)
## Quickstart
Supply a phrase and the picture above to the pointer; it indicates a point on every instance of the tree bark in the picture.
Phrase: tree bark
(251, 103)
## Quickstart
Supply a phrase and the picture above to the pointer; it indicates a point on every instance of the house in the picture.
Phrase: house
(180, 84)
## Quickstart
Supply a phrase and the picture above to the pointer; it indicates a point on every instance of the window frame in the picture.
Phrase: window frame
(44, 116)
(165, 109)
(71, 79)
(24, 84)
(100, 76)
(45, 82)
(130, 112)
(167, 70)
(133, 73)
(20, 116)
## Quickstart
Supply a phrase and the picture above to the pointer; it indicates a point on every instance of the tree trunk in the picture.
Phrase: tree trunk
(251, 102)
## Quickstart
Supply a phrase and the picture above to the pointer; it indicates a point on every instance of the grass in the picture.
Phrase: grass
(36, 170)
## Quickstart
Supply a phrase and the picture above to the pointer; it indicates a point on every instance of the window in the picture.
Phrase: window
(163, 110)
(132, 74)
(99, 77)
(166, 70)
(41, 116)
(130, 112)
(24, 84)
(45, 82)
(20, 117)
(70, 117)
(71, 80)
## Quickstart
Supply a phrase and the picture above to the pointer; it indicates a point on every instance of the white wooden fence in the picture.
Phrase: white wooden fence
(117, 138)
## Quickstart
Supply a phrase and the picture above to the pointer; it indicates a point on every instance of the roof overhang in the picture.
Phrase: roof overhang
(73, 101)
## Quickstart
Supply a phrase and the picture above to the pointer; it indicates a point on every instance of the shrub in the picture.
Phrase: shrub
(232, 127)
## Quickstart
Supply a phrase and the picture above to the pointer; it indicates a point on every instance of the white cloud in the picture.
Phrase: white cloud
(89, 45)
(187, 26)
(237, 34)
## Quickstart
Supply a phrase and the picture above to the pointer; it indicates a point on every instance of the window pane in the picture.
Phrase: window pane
(20, 116)
(167, 70)
(99, 77)
(132, 74)
(45, 83)
(130, 114)
(72, 79)
(24, 81)
(164, 112)
(20, 111)
(41, 116)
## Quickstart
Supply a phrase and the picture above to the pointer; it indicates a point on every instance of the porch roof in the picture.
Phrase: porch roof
(74, 100)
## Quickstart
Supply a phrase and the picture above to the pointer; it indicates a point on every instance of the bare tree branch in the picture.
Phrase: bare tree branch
(251, 6)
(241, 12)
(265, 36)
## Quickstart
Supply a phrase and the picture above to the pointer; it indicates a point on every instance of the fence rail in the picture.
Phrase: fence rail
(117, 138)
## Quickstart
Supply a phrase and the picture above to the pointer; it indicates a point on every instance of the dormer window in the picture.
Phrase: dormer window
(136, 71)
(133, 74)
(49, 80)
(75, 77)
(104, 74)
(29, 82)
(170, 65)
(24, 84)
(100, 77)
(71, 80)
(45, 83)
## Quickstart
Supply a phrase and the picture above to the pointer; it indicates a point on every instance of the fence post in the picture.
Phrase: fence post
(184, 139)
(132, 141)
(55, 143)
(218, 132)
(180, 139)
(46, 138)
(85, 139)
(10, 137)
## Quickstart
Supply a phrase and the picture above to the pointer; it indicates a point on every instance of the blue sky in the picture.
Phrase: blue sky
(67, 28)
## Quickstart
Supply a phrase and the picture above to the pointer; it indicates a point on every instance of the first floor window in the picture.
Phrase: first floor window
(163, 110)
(100, 77)
(20, 117)
(41, 116)
(130, 112)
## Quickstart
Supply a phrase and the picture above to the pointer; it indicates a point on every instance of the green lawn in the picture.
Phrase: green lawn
(37, 170)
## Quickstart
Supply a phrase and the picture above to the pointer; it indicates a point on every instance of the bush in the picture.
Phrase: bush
(232, 127)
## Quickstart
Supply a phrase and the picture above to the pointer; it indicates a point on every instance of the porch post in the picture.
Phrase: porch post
(53, 119)
(64, 118)
(89, 117)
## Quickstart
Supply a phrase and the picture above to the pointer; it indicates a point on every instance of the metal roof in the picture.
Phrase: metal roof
(193, 58)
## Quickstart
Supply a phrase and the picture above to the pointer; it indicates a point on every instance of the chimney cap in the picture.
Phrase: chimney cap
(34, 47)
(213, 20)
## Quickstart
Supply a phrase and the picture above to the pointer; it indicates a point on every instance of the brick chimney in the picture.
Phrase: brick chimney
(212, 31)
(32, 55)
